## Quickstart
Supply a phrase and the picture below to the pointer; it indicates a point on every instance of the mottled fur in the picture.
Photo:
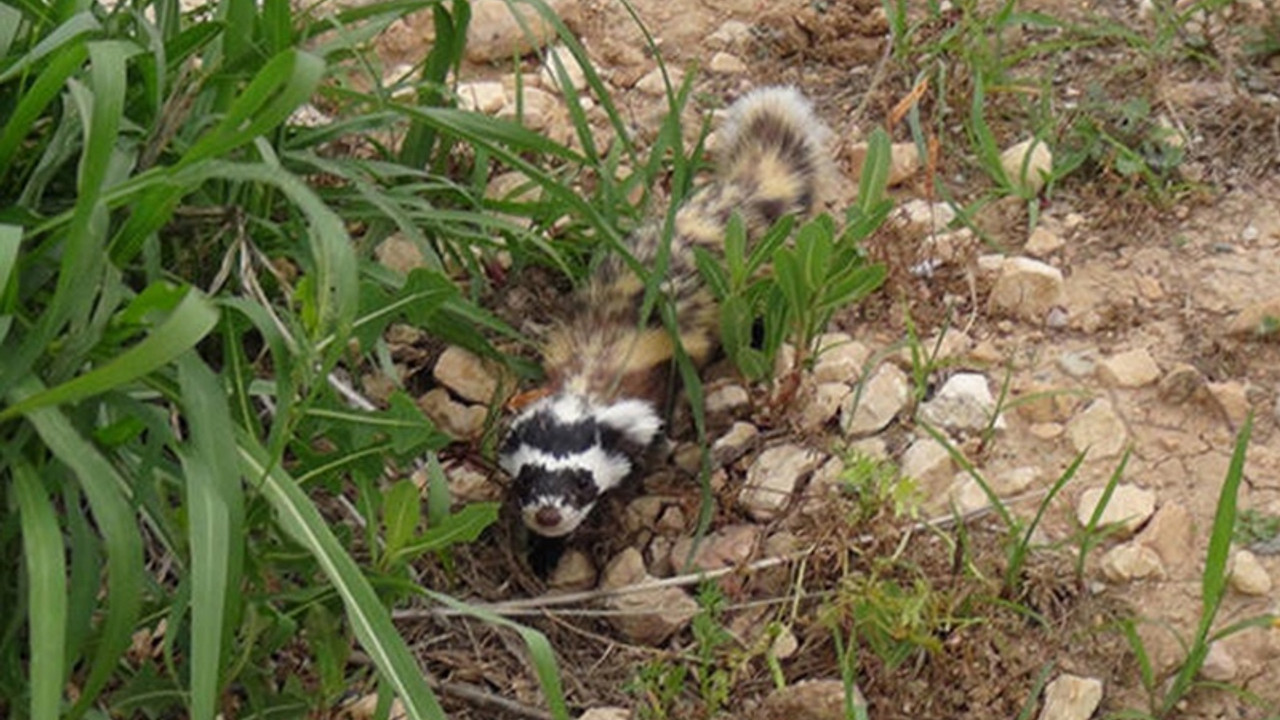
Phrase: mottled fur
(772, 160)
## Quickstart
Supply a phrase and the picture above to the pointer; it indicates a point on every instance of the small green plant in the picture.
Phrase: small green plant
(896, 618)
(658, 687)
(1165, 697)
(822, 271)
(877, 484)
(1256, 527)
(711, 640)
(1019, 532)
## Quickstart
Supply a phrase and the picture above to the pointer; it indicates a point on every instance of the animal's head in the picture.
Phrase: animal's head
(564, 451)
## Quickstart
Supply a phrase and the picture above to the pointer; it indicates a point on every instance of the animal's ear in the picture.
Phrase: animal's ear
(635, 420)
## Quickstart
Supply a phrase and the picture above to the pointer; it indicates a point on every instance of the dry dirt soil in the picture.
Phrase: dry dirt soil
(1165, 269)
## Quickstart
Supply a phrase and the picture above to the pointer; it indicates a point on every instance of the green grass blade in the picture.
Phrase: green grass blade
(540, 651)
(10, 243)
(368, 617)
(116, 522)
(283, 84)
(47, 591)
(215, 503)
(1214, 581)
(194, 318)
(54, 42)
(1019, 553)
(35, 98)
(1088, 534)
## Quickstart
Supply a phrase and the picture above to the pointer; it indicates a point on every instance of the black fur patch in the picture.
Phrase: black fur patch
(548, 434)
(576, 487)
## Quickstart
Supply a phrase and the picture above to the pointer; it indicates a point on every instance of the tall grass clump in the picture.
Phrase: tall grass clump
(191, 518)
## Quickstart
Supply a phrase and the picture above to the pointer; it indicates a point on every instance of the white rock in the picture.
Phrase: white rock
(574, 572)
(495, 33)
(989, 264)
(929, 463)
(466, 484)
(727, 400)
(400, 254)
(1131, 369)
(966, 494)
(458, 420)
(734, 443)
(1180, 383)
(550, 73)
(964, 402)
(1248, 577)
(649, 616)
(536, 111)
(1099, 430)
(486, 97)
(467, 376)
(1219, 665)
(904, 162)
(1070, 697)
(1043, 242)
(1130, 505)
(1131, 561)
(1026, 288)
(1080, 363)
(931, 217)
(723, 63)
(652, 83)
(809, 700)
(1233, 397)
(879, 400)
(784, 644)
(823, 404)
(840, 359)
(1170, 534)
(606, 713)
(730, 35)
(1030, 155)
(1012, 482)
(772, 478)
(730, 546)
(1259, 319)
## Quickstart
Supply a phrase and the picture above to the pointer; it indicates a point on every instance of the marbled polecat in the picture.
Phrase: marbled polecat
(607, 371)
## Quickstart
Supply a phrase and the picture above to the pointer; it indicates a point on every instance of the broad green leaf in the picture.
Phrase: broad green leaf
(712, 272)
(45, 562)
(35, 98)
(875, 171)
(215, 506)
(10, 243)
(463, 526)
(439, 499)
(365, 612)
(116, 521)
(185, 326)
(64, 35)
(401, 511)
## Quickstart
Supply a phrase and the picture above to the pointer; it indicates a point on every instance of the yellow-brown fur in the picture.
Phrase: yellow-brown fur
(772, 161)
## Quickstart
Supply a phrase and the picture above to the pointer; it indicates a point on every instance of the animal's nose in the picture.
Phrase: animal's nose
(547, 517)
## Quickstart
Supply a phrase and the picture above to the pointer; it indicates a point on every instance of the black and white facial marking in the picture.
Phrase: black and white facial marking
(563, 452)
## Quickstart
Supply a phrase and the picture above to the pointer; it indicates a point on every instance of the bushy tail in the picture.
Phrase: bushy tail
(775, 152)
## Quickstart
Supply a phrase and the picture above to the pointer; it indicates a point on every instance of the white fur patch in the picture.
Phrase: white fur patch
(606, 468)
(636, 419)
(570, 517)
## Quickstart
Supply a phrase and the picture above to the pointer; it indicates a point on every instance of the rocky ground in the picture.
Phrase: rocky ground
(1115, 321)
